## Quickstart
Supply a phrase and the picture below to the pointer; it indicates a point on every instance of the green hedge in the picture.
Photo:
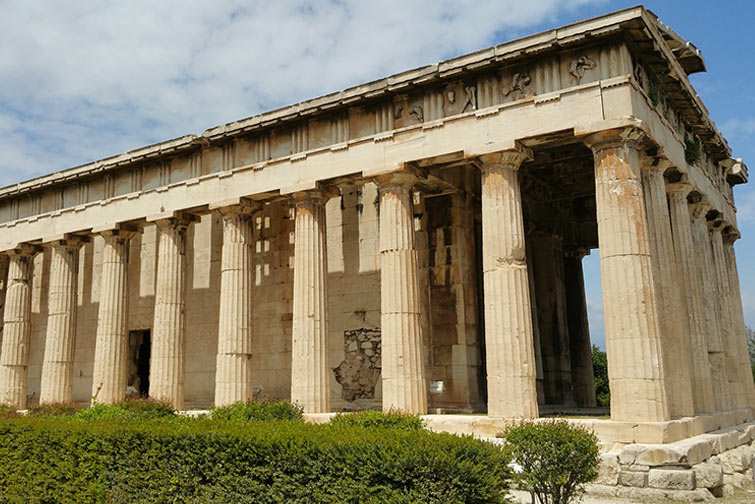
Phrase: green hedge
(66, 460)
(263, 410)
(137, 408)
(371, 419)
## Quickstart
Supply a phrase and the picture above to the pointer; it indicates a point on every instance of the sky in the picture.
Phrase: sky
(82, 80)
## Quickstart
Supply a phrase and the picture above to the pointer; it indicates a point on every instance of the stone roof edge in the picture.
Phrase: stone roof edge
(508, 50)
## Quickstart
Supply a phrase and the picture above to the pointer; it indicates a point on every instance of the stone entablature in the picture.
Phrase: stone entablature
(525, 72)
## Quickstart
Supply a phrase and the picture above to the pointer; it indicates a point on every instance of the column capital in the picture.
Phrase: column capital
(237, 206)
(320, 194)
(173, 219)
(617, 137)
(681, 187)
(699, 208)
(510, 158)
(730, 235)
(68, 241)
(655, 164)
(577, 252)
(715, 220)
(405, 178)
(24, 250)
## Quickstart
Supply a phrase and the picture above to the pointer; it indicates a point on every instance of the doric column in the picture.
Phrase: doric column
(539, 373)
(690, 282)
(633, 346)
(722, 290)
(403, 371)
(310, 368)
(57, 365)
(167, 361)
(707, 279)
(14, 355)
(509, 344)
(3, 286)
(548, 260)
(580, 348)
(110, 371)
(233, 374)
(737, 314)
(673, 323)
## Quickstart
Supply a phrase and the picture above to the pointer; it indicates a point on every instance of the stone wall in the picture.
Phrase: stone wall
(697, 468)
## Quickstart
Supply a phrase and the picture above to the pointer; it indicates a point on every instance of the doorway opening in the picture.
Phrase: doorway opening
(140, 348)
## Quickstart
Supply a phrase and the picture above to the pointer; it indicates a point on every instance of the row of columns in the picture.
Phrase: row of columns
(674, 324)
(669, 288)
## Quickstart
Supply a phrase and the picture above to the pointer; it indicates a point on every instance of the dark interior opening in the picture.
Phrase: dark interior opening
(140, 345)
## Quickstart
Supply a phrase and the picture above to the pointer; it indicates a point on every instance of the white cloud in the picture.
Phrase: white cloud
(737, 127)
(83, 79)
(745, 206)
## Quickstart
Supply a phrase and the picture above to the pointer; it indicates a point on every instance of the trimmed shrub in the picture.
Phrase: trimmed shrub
(372, 419)
(263, 410)
(63, 460)
(54, 410)
(556, 458)
(128, 409)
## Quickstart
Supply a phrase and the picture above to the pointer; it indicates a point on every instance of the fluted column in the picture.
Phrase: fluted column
(233, 375)
(707, 279)
(509, 343)
(690, 282)
(310, 368)
(548, 260)
(403, 372)
(57, 365)
(737, 314)
(633, 346)
(580, 348)
(3, 286)
(168, 357)
(539, 373)
(734, 373)
(673, 323)
(110, 370)
(14, 354)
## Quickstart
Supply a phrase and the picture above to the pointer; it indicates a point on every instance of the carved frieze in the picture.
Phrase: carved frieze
(581, 64)
(517, 87)
(459, 98)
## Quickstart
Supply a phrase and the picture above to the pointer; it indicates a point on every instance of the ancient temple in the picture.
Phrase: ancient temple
(414, 242)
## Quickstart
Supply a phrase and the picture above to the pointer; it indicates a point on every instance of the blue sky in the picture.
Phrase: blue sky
(85, 79)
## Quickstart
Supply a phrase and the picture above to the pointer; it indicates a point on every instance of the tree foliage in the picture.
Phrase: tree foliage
(600, 371)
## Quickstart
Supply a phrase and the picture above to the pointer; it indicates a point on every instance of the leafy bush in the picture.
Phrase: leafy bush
(378, 419)
(556, 458)
(263, 410)
(600, 372)
(128, 409)
(54, 410)
(692, 150)
(64, 460)
(8, 412)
